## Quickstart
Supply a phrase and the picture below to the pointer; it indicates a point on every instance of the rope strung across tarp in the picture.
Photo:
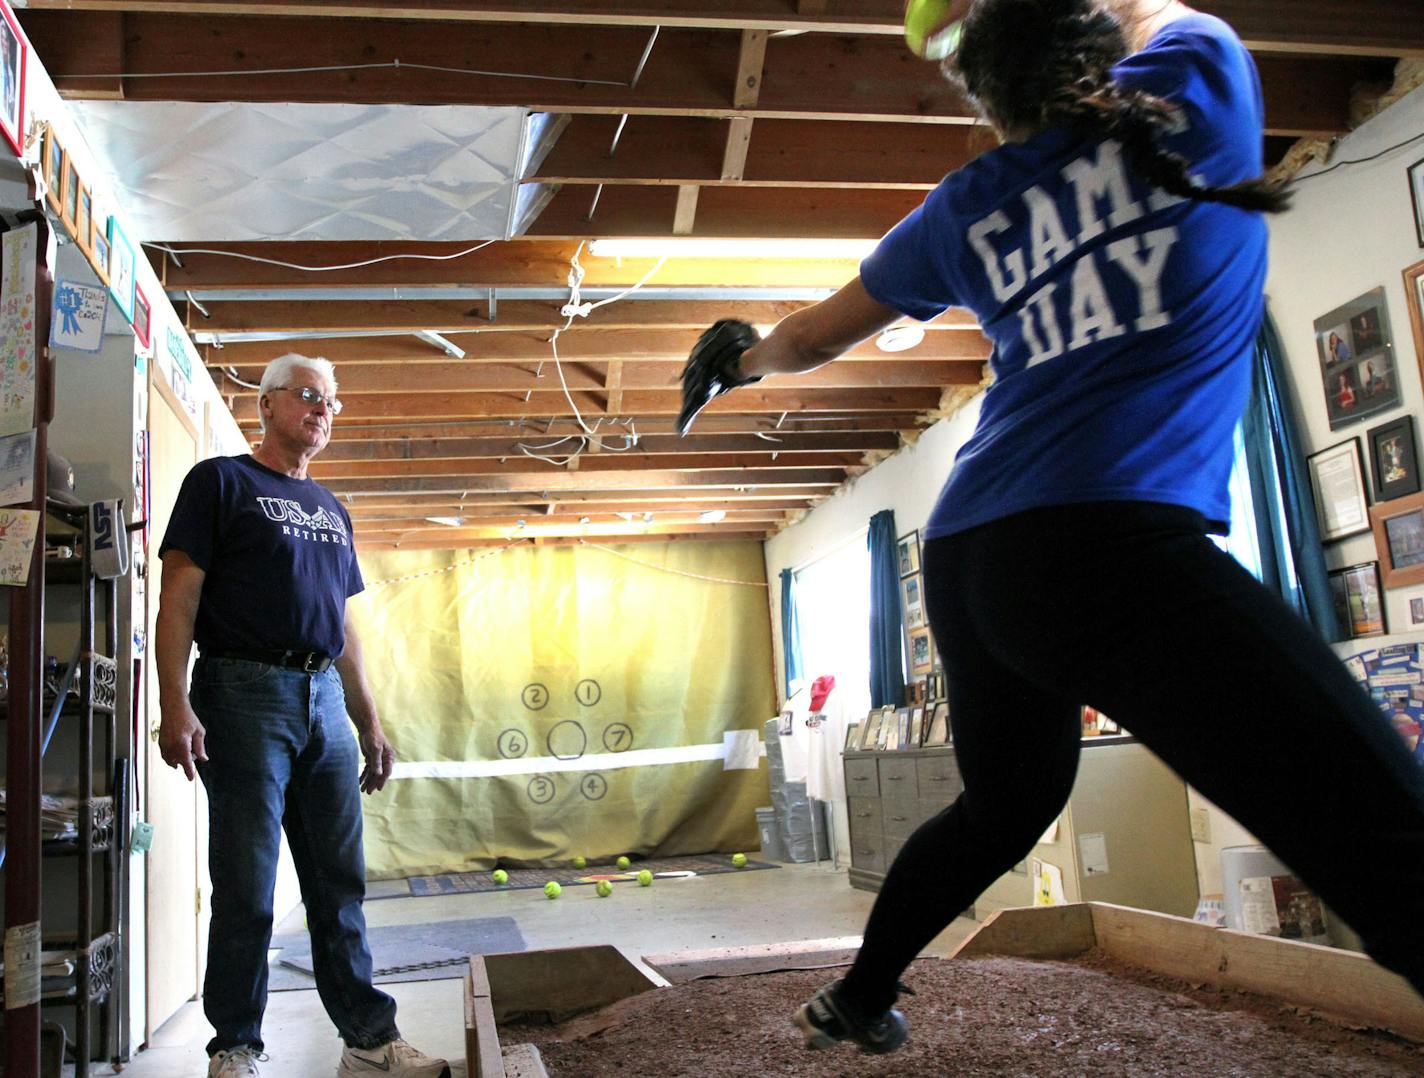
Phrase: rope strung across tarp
(674, 572)
(448, 568)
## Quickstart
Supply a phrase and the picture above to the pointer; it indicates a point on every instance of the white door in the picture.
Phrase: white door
(171, 802)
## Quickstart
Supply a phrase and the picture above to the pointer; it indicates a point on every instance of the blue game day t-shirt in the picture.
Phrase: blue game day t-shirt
(1122, 318)
(277, 556)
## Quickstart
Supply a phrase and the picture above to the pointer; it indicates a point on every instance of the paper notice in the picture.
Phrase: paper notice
(1047, 883)
(1093, 854)
(1051, 835)
(1258, 906)
(17, 468)
(18, 528)
(22, 965)
(17, 330)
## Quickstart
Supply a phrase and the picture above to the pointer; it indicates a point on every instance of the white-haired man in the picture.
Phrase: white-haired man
(257, 567)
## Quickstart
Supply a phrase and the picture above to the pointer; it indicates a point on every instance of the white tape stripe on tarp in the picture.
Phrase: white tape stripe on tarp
(740, 749)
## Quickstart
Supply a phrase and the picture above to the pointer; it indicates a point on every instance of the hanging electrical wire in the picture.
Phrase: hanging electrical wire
(317, 269)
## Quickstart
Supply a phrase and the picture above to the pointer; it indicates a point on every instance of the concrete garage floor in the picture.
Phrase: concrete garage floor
(790, 903)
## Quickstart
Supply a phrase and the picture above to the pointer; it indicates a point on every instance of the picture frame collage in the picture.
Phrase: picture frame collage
(1371, 482)
(890, 729)
(919, 644)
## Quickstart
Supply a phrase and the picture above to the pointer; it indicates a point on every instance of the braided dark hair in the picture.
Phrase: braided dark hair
(1032, 64)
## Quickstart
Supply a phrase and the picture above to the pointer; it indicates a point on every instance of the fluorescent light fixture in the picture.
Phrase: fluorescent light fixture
(712, 516)
(684, 247)
(449, 522)
(452, 350)
(899, 338)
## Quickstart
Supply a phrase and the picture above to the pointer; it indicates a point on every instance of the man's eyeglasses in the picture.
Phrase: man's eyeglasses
(311, 396)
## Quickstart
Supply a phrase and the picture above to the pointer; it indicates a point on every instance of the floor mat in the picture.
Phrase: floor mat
(455, 883)
(425, 952)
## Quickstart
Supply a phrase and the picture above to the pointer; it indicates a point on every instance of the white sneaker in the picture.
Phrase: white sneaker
(236, 1063)
(394, 1060)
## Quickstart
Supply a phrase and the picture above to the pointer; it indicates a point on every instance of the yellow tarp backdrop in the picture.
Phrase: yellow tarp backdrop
(548, 702)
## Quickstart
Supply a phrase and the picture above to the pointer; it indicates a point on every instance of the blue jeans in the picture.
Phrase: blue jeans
(282, 754)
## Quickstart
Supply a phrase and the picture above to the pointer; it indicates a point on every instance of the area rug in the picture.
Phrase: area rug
(432, 951)
(519, 878)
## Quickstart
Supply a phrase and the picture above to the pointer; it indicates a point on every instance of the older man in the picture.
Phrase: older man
(257, 567)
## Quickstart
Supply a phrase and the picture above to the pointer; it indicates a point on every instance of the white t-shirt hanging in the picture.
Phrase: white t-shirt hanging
(825, 776)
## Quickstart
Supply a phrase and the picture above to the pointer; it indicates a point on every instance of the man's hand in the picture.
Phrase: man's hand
(380, 759)
(180, 739)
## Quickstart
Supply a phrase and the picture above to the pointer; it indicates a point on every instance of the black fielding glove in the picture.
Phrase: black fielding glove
(714, 367)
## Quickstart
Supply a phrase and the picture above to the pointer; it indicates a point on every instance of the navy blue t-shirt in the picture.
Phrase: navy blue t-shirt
(1122, 318)
(277, 553)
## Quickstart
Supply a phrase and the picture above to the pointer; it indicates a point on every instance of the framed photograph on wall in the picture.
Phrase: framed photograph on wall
(142, 318)
(907, 552)
(937, 732)
(1399, 540)
(68, 196)
(121, 268)
(921, 652)
(99, 248)
(84, 222)
(1394, 462)
(53, 166)
(912, 601)
(14, 52)
(1416, 198)
(1337, 479)
(1357, 367)
(1359, 601)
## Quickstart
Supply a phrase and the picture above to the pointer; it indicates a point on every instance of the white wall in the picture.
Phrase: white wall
(908, 483)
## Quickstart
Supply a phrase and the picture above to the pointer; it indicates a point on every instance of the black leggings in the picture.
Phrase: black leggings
(1132, 609)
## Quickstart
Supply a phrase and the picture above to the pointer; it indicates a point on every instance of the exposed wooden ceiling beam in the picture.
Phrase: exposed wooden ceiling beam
(1365, 27)
(534, 262)
(787, 443)
(699, 481)
(542, 429)
(661, 150)
(357, 382)
(767, 509)
(590, 464)
(762, 398)
(810, 76)
(579, 344)
(601, 500)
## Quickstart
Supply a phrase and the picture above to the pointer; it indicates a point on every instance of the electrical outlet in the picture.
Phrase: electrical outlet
(1201, 825)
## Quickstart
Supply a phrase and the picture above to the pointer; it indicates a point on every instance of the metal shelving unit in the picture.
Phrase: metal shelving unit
(82, 958)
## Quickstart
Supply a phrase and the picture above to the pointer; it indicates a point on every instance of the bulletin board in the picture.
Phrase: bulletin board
(1394, 677)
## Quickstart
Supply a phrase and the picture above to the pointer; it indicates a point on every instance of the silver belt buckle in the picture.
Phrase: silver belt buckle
(311, 664)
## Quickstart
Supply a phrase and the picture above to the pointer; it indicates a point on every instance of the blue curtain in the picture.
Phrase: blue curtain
(1292, 562)
(887, 669)
(790, 630)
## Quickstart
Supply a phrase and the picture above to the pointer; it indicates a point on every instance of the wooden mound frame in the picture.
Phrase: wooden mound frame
(1349, 987)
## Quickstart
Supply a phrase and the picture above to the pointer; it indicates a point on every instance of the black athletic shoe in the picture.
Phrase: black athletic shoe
(827, 1018)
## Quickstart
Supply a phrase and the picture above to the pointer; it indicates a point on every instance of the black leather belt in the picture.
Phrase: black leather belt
(313, 662)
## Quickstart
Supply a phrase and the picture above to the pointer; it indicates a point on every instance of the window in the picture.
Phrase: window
(833, 610)
(1244, 542)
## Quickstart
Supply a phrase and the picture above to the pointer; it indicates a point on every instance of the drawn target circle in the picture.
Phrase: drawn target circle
(593, 786)
(618, 737)
(567, 740)
(512, 743)
(588, 692)
(541, 789)
(535, 696)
